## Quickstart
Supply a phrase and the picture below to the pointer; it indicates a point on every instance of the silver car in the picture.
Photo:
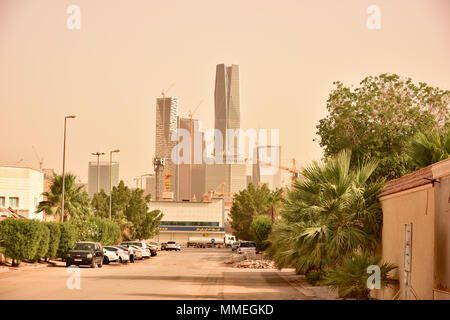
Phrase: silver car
(246, 247)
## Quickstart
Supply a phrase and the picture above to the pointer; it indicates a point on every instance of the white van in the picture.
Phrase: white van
(229, 240)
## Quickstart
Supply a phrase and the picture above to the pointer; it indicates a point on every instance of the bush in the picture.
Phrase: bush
(315, 276)
(350, 279)
(55, 235)
(260, 228)
(108, 232)
(43, 241)
(67, 239)
(23, 239)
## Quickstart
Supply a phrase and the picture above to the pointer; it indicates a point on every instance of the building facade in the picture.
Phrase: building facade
(183, 219)
(21, 190)
(226, 104)
(166, 124)
(103, 176)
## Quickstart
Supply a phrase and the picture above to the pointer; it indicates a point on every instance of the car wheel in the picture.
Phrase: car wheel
(93, 264)
(67, 264)
(105, 260)
(120, 260)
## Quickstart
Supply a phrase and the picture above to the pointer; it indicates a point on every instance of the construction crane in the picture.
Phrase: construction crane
(191, 122)
(295, 172)
(40, 160)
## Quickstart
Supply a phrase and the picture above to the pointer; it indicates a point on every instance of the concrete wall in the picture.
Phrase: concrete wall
(416, 205)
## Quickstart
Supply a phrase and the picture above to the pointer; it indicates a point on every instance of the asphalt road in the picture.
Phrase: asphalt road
(189, 274)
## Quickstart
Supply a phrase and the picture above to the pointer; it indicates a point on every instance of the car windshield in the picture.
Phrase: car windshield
(171, 242)
(248, 244)
(111, 249)
(84, 246)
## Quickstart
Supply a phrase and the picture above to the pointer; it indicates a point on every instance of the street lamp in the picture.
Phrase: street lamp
(98, 154)
(110, 180)
(64, 167)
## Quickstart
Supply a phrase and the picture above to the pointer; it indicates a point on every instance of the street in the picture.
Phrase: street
(189, 274)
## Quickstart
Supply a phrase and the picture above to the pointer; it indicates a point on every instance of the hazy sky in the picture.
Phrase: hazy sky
(110, 72)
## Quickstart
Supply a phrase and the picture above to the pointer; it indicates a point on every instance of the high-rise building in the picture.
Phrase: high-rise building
(227, 105)
(103, 176)
(166, 124)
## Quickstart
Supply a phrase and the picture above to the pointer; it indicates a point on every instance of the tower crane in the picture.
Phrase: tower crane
(295, 172)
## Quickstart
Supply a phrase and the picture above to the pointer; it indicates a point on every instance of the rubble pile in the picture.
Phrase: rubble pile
(255, 264)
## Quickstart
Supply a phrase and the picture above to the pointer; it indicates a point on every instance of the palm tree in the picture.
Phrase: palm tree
(429, 147)
(331, 213)
(76, 201)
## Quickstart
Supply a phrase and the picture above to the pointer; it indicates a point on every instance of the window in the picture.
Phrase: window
(14, 202)
(2, 201)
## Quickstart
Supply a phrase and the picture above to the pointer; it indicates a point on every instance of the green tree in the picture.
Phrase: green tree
(376, 120)
(260, 228)
(332, 212)
(429, 147)
(248, 204)
(76, 201)
(100, 204)
(145, 223)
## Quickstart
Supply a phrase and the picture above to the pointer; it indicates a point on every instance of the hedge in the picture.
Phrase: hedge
(55, 235)
(67, 239)
(33, 240)
(22, 238)
(108, 232)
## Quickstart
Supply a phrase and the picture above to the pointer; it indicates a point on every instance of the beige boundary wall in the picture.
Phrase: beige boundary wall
(421, 198)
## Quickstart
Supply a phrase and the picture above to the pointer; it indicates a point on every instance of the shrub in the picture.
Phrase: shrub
(260, 228)
(315, 276)
(67, 239)
(21, 239)
(55, 235)
(43, 241)
(350, 279)
(108, 232)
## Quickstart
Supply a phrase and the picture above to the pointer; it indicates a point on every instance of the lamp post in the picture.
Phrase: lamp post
(98, 154)
(110, 180)
(64, 167)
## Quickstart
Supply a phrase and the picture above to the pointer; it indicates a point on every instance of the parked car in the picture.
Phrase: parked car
(246, 247)
(138, 252)
(140, 244)
(85, 253)
(109, 255)
(163, 246)
(171, 245)
(156, 244)
(153, 249)
(234, 246)
(130, 252)
(124, 255)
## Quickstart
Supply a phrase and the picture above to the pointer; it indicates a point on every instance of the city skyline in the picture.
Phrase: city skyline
(110, 72)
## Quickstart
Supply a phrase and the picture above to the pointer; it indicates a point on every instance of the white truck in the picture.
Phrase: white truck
(205, 242)
(229, 240)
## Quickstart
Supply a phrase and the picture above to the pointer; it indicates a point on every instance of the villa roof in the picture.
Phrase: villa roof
(417, 178)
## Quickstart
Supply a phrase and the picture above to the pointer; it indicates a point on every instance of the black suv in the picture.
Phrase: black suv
(87, 253)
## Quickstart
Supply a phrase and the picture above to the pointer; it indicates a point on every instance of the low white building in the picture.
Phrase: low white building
(184, 219)
(21, 189)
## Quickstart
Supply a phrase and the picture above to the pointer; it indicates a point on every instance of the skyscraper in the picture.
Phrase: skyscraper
(227, 104)
(166, 124)
(103, 175)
